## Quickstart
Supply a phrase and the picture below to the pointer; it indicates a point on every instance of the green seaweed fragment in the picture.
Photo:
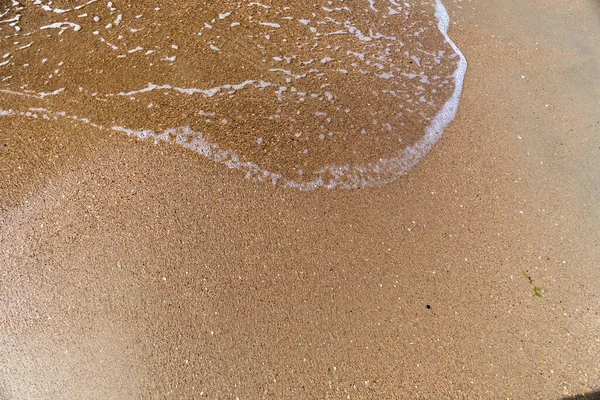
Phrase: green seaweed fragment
(537, 291)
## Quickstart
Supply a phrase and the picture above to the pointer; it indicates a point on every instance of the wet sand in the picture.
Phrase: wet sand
(314, 94)
(134, 270)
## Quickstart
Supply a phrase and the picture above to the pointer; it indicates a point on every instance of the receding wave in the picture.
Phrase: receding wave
(307, 94)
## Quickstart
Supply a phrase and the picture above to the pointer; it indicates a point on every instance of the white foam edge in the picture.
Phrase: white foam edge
(345, 177)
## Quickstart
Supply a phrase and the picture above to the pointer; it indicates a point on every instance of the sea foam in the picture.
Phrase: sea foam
(301, 97)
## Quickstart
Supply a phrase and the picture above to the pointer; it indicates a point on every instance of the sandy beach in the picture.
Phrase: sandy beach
(135, 270)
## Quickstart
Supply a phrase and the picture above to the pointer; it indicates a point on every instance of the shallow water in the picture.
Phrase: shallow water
(322, 93)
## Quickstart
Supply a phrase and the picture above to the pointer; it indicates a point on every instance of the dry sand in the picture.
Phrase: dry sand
(130, 270)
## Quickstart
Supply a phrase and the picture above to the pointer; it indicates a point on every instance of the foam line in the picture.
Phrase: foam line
(348, 176)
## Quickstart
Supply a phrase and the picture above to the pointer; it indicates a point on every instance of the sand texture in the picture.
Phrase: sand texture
(135, 270)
